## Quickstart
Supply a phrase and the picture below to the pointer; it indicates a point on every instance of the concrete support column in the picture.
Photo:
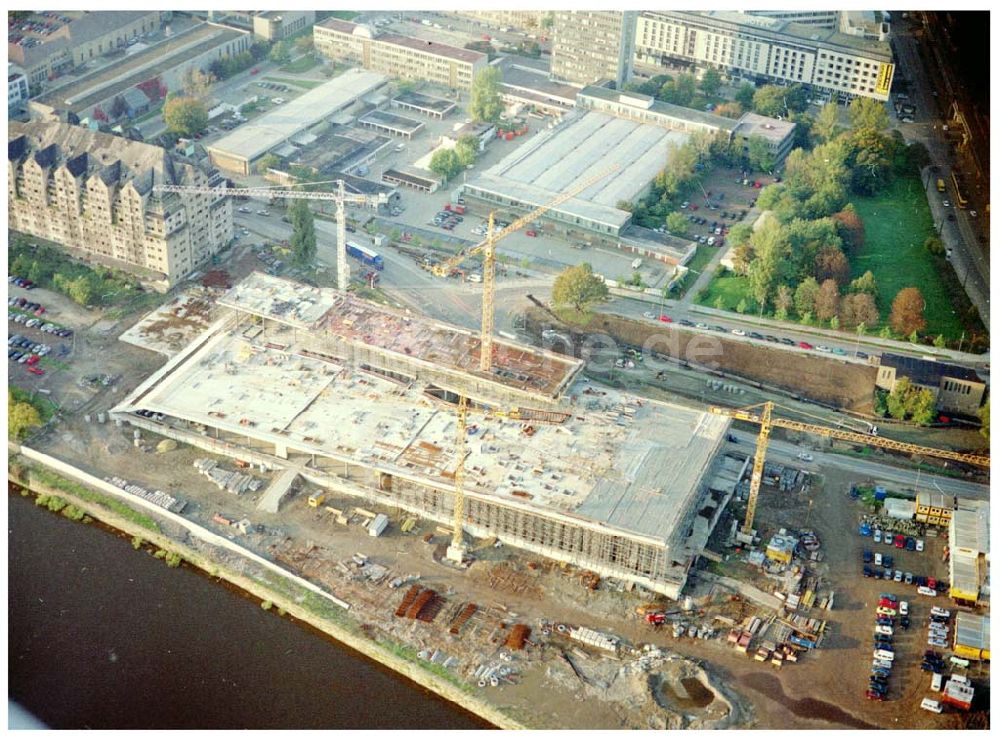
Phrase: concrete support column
(281, 450)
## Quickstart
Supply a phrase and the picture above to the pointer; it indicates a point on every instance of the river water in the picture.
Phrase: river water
(103, 636)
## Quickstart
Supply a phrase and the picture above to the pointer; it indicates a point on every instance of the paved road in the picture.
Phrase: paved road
(783, 452)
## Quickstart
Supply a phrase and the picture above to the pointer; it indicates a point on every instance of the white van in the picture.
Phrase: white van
(960, 662)
(636, 263)
(925, 591)
(931, 705)
(936, 680)
(960, 679)
(884, 655)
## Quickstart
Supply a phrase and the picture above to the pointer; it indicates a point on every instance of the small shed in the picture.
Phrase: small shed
(378, 525)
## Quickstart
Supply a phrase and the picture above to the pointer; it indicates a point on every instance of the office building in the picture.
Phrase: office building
(822, 18)
(398, 56)
(591, 46)
(275, 25)
(17, 87)
(765, 50)
(93, 194)
(74, 39)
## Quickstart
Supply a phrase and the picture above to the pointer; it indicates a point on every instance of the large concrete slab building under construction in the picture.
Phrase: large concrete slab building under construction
(589, 475)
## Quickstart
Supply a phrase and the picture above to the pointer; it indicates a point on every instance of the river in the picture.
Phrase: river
(103, 636)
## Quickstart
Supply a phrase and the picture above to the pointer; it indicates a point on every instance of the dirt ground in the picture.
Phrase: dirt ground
(839, 383)
(815, 693)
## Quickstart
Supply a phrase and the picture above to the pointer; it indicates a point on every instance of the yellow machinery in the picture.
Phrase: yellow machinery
(488, 250)
(767, 422)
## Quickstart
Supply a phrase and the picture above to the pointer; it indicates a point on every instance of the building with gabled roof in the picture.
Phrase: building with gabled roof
(93, 193)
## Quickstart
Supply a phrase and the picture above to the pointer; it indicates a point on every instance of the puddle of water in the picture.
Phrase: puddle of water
(808, 708)
(697, 696)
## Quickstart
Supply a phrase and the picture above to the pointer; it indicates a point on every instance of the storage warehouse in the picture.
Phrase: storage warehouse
(969, 552)
(238, 151)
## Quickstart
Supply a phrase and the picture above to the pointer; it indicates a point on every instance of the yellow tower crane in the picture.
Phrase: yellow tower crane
(488, 250)
(767, 422)
(456, 550)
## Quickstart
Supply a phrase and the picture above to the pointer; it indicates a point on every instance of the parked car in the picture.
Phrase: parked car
(804, 345)
(920, 545)
(878, 539)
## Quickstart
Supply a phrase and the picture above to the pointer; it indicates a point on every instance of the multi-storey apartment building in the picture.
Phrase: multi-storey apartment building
(398, 56)
(527, 19)
(766, 50)
(93, 193)
(593, 45)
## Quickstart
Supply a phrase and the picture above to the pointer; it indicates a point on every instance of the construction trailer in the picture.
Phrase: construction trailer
(364, 399)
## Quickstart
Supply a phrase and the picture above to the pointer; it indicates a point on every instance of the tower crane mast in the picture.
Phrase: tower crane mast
(767, 422)
(340, 197)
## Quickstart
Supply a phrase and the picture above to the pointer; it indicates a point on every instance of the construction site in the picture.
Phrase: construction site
(362, 400)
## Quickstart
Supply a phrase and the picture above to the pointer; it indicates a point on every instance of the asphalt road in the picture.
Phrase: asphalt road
(783, 452)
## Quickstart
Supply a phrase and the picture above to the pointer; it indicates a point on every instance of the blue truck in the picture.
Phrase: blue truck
(366, 255)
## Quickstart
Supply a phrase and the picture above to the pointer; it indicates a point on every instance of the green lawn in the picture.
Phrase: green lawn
(702, 257)
(897, 223)
(731, 288)
(302, 64)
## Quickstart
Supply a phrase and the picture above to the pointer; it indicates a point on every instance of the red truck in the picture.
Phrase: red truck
(455, 208)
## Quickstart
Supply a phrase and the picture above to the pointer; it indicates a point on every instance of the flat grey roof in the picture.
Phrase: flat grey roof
(780, 29)
(257, 137)
(391, 121)
(666, 109)
(429, 102)
(755, 125)
(94, 88)
(584, 145)
(525, 75)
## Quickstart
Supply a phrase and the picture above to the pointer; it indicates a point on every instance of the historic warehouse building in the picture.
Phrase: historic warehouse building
(360, 399)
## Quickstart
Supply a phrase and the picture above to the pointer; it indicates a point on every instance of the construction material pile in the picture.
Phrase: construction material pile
(164, 500)
(233, 482)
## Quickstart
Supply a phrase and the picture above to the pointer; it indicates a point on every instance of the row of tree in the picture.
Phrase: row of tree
(907, 401)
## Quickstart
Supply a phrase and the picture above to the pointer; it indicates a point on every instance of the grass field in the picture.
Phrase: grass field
(897, 223)
(731, 288)
(302, 64)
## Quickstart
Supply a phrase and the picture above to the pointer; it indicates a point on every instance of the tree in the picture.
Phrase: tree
(831, 263)
(834, 323)
(858, 311)
(304, 43)
(184, 116)
(711, 80)
(850, 228)
(677, 223)
(548, 20)
(783, 302)
(743, 257)
(805, 296)
(907, 314)
(197, 83)
(770, 100)
(467, 148)
(741, 306)
(870, 160)
(939, 342)
(729, 109)
(867, 113)
(270, 160)
(446, 163)
(118, 108)
(934, 245)
(280, 52)
(759, 156)
(578, 287)
(303, 240)
(897, 399)
(827, 300)
(484, 102)
(825, 125)
(21, 416)
(984, 417)
(918, 156)
(720, 304)
(921, 405)
(744, 96)
(864, 284)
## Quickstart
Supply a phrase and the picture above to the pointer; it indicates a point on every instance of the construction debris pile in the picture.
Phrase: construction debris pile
(779, 476)
(164, 500)
(232, 482)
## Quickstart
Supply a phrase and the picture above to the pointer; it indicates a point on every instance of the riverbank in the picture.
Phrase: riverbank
(310, 608)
